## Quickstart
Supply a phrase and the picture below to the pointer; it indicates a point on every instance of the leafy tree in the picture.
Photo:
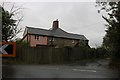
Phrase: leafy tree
(0, 24)
(23, 43)
(111, 41)
(9, 24)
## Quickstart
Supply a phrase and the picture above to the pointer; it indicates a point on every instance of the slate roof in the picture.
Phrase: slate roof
(55, 33)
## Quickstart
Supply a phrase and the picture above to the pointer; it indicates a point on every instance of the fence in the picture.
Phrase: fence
(49, 55)
(40, 55)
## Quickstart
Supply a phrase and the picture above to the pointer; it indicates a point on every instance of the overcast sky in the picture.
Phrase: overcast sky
(74, 17)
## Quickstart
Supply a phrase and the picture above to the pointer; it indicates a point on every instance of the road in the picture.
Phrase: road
(0, 67)
(57, 71)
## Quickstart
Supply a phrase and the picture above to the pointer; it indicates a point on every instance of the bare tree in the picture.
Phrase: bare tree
(9, 23)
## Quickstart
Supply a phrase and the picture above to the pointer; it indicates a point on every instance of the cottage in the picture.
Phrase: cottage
(55, 37)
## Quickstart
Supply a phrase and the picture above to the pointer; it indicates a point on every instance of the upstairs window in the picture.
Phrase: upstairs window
(36, 37)
(73, 41)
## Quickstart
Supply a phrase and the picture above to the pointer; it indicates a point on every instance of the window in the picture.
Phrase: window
(73, 41)
(36, 37)
(52, 39)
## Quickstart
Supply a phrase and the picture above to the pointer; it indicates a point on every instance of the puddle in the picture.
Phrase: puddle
(84, 70)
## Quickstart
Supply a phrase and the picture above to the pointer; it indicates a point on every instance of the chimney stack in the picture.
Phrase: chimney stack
(55, 24)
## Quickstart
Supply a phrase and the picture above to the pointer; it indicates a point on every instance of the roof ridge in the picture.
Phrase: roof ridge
(76, 34)
(70, 33)
(37, 28)
(63, 30)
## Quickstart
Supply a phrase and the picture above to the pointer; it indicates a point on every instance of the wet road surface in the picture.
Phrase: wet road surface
(57, 71)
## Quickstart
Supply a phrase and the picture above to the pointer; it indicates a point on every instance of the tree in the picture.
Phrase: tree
(9, 24)
(111, 41)
(0, 24)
